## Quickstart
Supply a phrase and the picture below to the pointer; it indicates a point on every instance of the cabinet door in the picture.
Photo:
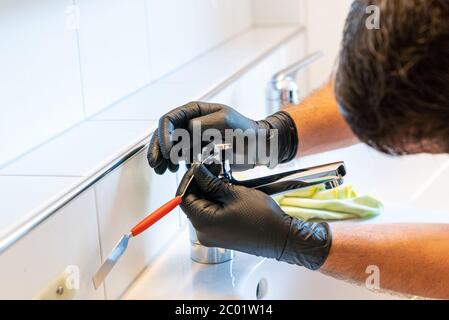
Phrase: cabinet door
(124, 197)
(62, 250)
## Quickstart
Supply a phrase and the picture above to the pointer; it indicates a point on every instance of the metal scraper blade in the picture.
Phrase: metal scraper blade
(111, 260)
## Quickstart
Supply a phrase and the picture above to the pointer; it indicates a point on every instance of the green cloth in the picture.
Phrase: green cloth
(316, 203)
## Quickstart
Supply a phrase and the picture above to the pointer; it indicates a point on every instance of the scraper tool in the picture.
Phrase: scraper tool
(143, 225)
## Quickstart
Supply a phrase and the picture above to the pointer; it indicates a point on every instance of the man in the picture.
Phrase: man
(391, 92)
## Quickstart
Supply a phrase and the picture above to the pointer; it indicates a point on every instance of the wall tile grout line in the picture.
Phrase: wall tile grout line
(161, 79)
(147, 38)
(102, 257)
(60, 134)
(80, 66)
(40, 175)
(121, 120)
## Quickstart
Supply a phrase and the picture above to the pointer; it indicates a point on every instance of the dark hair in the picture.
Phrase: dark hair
(392, 83)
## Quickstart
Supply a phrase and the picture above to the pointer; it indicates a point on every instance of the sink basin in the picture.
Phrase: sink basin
(405, 185)
(275, 280)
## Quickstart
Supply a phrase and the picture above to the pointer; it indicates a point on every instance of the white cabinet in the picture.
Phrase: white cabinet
(66, 243)
(124, 197)
(113, 49)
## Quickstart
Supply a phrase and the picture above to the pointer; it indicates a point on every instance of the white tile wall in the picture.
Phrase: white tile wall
(179, 31)
(234, 55)
(123, 198)
(292, 52)
(240, 17)
(251, 87)
(191, 82)
(247, 94)
(277, 12)
(220, 19)
(325, 30)
(67, 239)
(172, 34)
(82, 149)
(121, 46)
(40, 92)
(36, 190)
(113, 49)
(152, 102)
(324, 20)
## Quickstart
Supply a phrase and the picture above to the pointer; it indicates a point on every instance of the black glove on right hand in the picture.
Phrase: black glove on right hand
(220, 117)
(247, 220)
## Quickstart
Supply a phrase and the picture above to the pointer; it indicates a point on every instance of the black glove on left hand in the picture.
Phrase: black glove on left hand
(247, 220)
(222, 118)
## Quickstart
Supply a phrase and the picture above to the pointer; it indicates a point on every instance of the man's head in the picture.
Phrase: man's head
(392, 83)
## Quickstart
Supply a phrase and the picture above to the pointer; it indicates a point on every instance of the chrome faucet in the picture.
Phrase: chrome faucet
(330, 175)
(198, 252)
(282, 90)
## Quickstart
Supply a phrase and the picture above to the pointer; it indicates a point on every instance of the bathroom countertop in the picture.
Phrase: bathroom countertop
(175, 276)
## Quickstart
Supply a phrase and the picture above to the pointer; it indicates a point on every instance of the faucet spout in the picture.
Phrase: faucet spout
(282, 89)
(331, 175)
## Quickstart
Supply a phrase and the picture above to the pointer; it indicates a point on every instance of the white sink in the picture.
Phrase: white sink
(275, 280)
(399, 182)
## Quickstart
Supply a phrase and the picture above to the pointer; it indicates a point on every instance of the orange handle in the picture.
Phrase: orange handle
(155, 216)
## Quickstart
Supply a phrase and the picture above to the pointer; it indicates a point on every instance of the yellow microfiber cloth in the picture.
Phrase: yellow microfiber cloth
(316, 203)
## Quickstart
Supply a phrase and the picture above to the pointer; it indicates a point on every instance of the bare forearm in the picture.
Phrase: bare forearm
(319, 123)
(411, 258)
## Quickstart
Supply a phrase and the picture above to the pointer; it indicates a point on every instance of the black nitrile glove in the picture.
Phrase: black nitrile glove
(220, 117)
(247, 220)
